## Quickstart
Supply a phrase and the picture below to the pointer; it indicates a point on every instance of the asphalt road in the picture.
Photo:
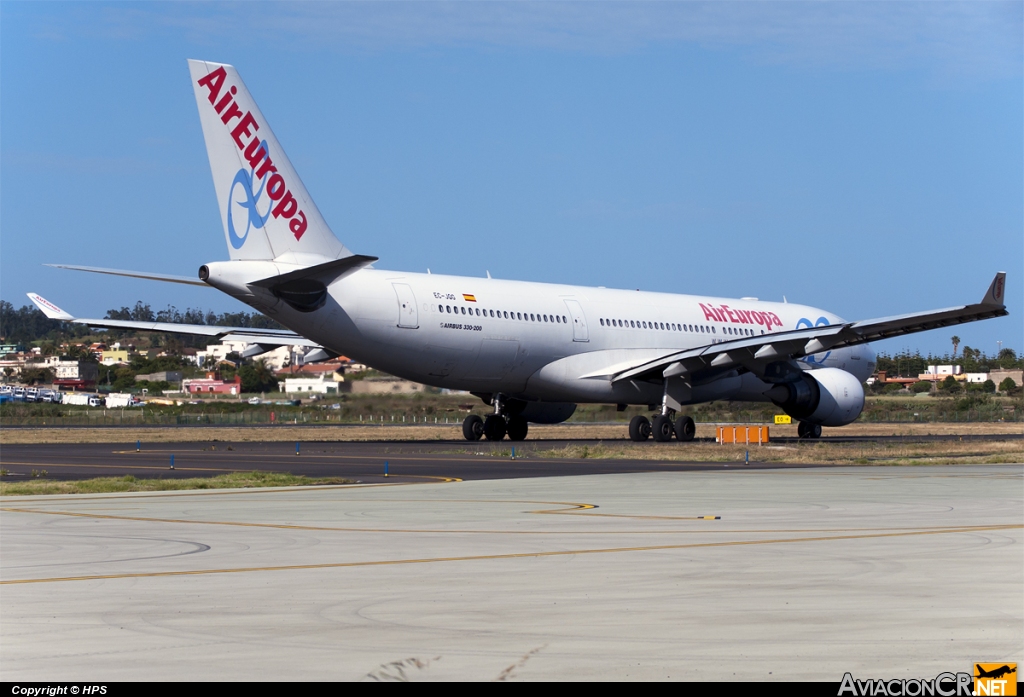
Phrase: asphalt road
(362, 461)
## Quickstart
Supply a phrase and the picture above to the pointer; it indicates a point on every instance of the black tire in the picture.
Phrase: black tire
(494, 427)
(639, 429)
(517, 428)
(808, 430)
(473, 427)
(661, 429)
(685, 429)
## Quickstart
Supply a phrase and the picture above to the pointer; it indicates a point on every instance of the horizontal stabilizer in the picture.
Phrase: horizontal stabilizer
(325, 273)
(166, 278)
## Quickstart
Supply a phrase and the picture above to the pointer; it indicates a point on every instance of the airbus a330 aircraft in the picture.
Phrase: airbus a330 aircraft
(531, 350)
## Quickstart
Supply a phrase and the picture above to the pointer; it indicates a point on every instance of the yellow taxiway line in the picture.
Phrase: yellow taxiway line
(491, 557)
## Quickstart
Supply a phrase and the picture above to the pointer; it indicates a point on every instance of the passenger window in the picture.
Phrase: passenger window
(448, 308)
(440, 308)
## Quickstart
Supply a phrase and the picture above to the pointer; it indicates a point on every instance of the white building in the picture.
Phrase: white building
(276, 359)
(318, 385)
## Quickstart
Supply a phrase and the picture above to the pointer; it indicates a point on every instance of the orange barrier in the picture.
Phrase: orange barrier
(742, 434)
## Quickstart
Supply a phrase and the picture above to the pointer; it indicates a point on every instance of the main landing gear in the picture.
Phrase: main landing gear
(495, 426)
(663, 428)
(808, 430)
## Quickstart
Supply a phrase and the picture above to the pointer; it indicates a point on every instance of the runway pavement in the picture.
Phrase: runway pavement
(787, 574)
(361, 461)
(364, 461)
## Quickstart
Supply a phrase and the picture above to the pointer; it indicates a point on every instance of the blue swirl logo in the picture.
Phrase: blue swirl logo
(803, 323)
(246, 179)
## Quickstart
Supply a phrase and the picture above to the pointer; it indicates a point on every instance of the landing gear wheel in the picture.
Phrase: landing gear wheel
(639, 429)
(473, 427)
(808, 430)
(685, 429)
(662, 429)
(517, 428)
(494, 427)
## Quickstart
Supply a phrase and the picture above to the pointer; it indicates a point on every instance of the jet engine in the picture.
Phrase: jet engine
(827, 397)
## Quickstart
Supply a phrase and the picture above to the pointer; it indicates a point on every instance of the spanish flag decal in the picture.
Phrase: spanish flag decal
(469, 298)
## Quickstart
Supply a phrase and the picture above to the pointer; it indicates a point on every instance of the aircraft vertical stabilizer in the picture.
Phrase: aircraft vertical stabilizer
(264, 206)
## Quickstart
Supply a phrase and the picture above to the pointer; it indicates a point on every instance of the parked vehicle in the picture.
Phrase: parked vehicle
(82, 399)
(121, 399)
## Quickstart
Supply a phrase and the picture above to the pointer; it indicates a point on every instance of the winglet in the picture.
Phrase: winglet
(994, 296)
(48, 308)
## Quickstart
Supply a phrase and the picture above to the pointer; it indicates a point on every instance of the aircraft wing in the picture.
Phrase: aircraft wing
(767, 353)
(262, 337)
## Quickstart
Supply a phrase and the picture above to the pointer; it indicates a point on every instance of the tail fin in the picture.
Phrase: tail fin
(266, 211)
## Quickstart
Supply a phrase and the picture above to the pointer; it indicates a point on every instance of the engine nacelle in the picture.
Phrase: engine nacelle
(827, 397)
(544, 412)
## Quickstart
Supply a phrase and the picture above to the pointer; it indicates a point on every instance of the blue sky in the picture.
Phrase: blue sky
(865, 157)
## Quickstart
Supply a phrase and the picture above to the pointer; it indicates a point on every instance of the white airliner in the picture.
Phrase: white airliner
(531, 350)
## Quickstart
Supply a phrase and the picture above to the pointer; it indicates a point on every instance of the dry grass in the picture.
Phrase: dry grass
(819, 452)
(105, 485)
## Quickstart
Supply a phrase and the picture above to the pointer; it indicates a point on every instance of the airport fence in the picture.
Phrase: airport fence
(99, 417)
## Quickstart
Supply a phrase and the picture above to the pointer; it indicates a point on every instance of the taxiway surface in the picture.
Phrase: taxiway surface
(364, 460)
(805, 574)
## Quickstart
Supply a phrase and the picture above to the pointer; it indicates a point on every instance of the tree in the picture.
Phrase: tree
(950, 385)
(922, 386)
(988, 386)
(956, 344)
(34, 376)
(257, 378)
(1008, 386)
(124, 378)
(1007, 358)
